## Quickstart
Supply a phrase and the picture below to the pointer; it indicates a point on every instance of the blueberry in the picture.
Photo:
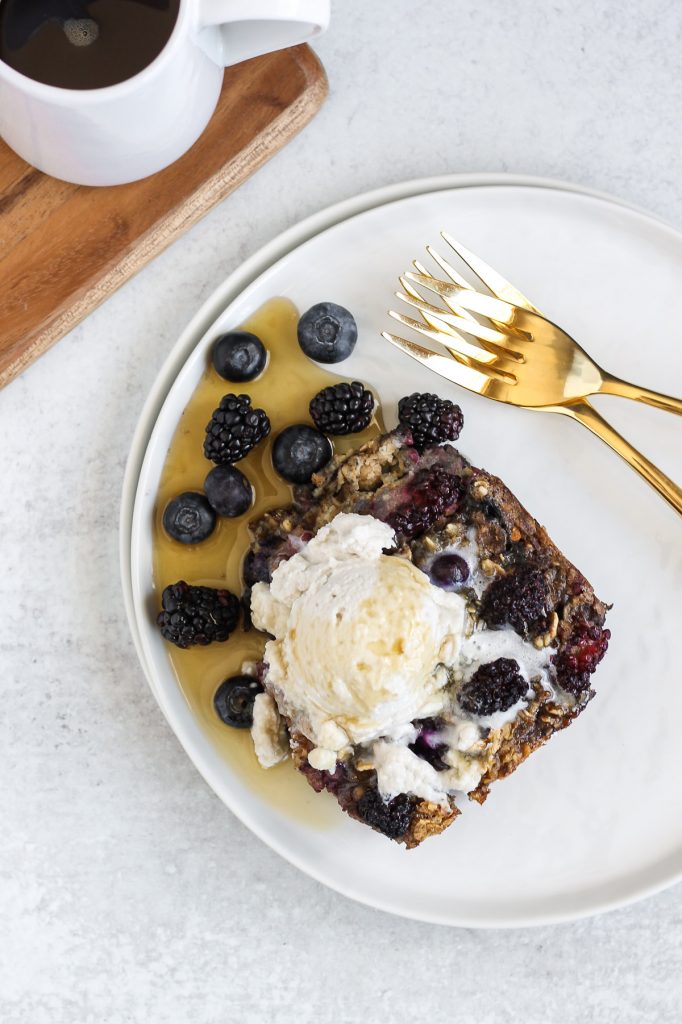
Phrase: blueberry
(327, 332)
(239, 356)
(189, 518)
(228, 491)
(428, 745)
(300, 451)
(255, 568)
(233, 701)
(448, 571)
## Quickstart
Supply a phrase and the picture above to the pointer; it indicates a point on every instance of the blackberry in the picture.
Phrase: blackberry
(430, 419)
(519, 599)
(572, 680)
(197, 615)
(235, 429)
(392, 817)
(581, 655)
(431, 494)
(342, 408)
(496, 686)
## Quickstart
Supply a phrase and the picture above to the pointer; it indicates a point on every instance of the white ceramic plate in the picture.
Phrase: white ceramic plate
(593, 820)
(237, 282)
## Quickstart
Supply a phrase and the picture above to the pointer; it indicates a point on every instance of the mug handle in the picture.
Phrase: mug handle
(249, 28)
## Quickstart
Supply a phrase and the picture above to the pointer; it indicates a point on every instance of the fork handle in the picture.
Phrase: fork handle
(586, 414)
(614, 386)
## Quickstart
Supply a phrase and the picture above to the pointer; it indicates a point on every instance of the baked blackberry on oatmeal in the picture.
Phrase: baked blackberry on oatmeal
(426, 634)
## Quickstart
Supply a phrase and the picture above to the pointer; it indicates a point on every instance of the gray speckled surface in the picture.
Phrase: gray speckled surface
(127, 891)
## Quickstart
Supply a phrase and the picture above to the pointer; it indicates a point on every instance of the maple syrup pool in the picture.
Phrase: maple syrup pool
(284, 390)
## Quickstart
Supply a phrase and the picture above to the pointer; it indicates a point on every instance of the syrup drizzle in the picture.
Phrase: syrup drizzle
(284, 390)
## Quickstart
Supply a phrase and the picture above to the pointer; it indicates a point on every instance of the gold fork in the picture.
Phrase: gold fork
(517, 356)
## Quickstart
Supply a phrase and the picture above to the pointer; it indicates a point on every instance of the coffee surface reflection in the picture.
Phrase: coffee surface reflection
(84, 44)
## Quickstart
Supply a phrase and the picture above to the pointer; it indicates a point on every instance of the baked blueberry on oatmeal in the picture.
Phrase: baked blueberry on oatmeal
(426, 635)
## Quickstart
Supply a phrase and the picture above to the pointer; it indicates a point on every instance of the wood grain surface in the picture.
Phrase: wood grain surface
(65, 248)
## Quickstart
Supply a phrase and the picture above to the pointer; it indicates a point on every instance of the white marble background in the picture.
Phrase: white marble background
(128, 893)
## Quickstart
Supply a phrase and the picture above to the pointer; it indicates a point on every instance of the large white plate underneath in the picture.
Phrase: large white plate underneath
(593, 820)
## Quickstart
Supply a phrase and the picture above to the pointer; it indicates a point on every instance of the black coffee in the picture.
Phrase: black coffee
(84, 44)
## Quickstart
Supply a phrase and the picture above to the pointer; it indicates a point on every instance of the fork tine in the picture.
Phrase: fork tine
(421, 269)
(473, 356)
(454, 370)
(493, 358)
(454, 276)
(445, 332)
(432, 320)
(496, 309)
(452, 306)
(414, 294)
(497, 284)
(435, 333)
(471, 327)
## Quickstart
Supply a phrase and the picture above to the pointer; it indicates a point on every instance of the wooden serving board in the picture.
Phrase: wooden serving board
(65, 248)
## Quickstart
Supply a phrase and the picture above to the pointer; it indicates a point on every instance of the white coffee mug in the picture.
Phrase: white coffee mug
(127, 131)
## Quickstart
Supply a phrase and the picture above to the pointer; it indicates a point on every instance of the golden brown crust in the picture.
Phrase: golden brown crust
(428, 820)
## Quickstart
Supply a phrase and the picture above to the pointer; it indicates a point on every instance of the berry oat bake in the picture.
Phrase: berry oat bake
(427, 635)
(421, 634)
